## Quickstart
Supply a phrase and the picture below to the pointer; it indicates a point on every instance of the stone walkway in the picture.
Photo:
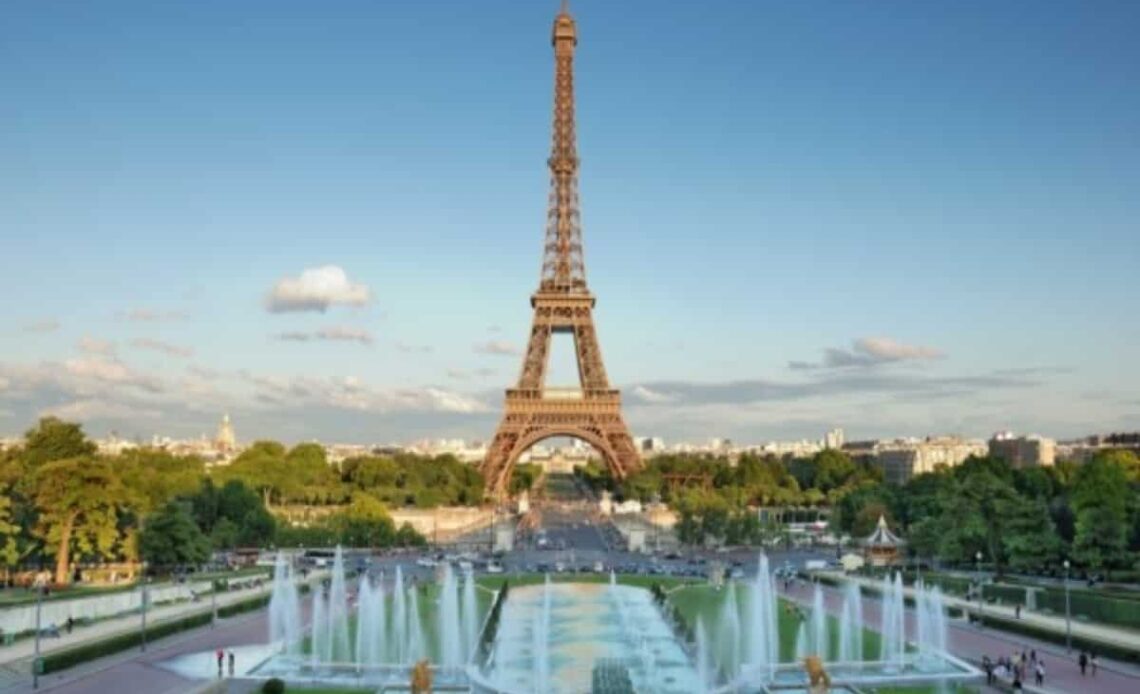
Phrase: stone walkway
(19, 655)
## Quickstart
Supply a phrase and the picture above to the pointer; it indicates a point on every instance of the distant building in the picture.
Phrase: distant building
(651, 445)
(1023, 451)
(833, 439)
(1082, 451)
(902, 459)
(225, 442)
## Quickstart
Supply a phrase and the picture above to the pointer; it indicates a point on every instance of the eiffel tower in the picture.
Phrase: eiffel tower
(562, 304)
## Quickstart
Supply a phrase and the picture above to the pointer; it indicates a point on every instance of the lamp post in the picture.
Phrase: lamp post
(36, 658)
(146, 582)
(981, 600)
(1068, 622)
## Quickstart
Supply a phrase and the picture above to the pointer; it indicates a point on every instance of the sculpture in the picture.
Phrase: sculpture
(819, 682)
(421, 678)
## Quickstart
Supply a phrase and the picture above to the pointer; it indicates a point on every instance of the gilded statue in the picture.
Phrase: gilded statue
(819, 682)
(421, 678)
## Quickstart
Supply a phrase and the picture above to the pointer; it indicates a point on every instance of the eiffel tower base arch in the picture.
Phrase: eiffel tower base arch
(529, 420)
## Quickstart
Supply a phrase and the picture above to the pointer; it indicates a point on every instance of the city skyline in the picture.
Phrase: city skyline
(849, 221)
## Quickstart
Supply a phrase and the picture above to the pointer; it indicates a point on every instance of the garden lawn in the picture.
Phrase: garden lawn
(704, 603)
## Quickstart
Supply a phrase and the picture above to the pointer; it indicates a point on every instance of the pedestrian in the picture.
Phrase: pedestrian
(1094, 661)
(221, 660)
(1083, 661)
(1017, 611)
(1039, 674)
(70, 623)
(231, 663)
(1017, 683)
(988, 667)
(1033, 656)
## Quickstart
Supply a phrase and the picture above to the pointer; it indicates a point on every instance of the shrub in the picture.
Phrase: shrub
(273, 685)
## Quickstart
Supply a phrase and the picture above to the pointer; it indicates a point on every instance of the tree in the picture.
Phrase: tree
(523, 477)
(54, 439)
(832, 469)
(364, 523)
(76, 499)
(170, 538)
(868, 518)
(1100, 498)
(1030, 541)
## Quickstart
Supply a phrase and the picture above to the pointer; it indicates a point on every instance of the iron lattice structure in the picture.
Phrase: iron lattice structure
(562, 304)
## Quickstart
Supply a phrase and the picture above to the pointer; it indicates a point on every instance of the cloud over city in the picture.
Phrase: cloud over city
(497, 347)
(316, 289)
(869, 352)
(331, 334)
(161, 347)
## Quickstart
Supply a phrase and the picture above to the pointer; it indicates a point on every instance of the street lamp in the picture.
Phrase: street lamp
(1068, 622)
(36, 659)
(146, 581)
(981, 601)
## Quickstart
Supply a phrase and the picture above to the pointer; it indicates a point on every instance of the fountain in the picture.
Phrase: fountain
(820, 638)
(399, 652)
(416, 648)
(555, 637)
(729, 642)
(892, 627)
(801, 642)
(284, 609)
(471, 624)
(764, 640)
(704, 666)
(851, 624)
(369, 643)
(450, 635)
(339, 650)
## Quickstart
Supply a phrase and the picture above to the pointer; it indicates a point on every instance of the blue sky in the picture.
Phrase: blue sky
(942, 192)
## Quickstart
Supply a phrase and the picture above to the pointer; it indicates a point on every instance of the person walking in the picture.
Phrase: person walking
(1094, 661)
(221, 660)
(1039, 674)
(1083, 661)
(1017, 611)
(231, 663)
(988, 667)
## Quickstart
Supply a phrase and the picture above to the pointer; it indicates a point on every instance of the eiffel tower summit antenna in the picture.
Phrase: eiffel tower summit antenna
(562, 304)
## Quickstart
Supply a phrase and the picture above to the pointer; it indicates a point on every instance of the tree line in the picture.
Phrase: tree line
(63, 504)
(1028, 519)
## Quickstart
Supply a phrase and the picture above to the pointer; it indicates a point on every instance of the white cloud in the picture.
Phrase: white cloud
(334, 334)
(651, 396)
(464, 374)
(93, 345)
(496, 347)
(97, 409)
(163, 347)
(98, 369)
(867, 352)
(315, 290)
(146, 315)
(413, 349)
(43, 326)
(890, 350)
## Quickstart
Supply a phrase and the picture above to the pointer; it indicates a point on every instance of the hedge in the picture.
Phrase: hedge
(1079, 643)
(61, 660)
(1091, 605)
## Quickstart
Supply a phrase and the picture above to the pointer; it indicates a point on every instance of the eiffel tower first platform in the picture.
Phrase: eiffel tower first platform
(562, 304)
